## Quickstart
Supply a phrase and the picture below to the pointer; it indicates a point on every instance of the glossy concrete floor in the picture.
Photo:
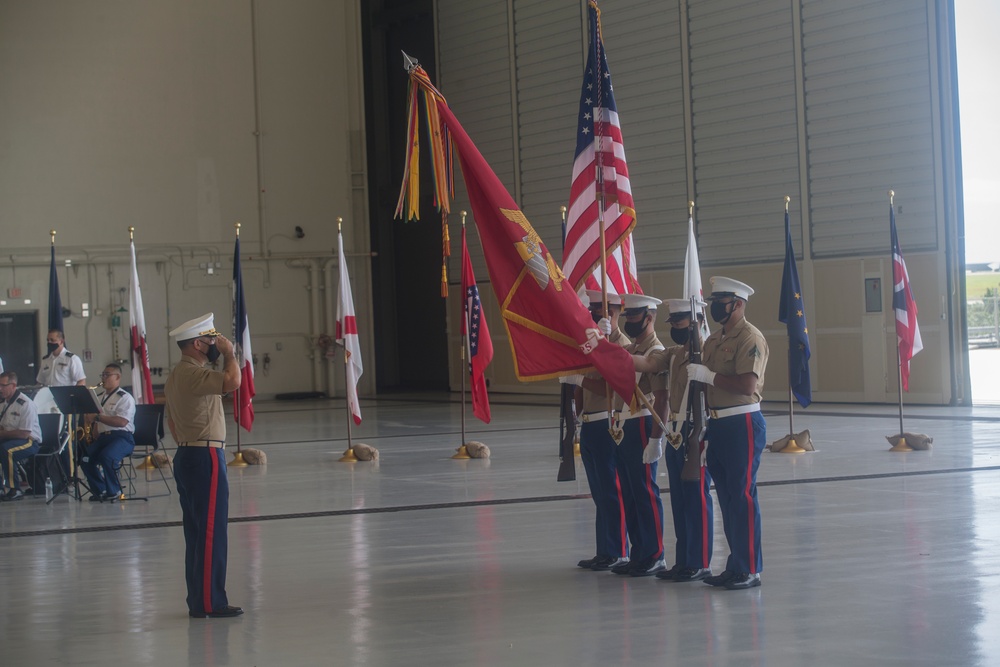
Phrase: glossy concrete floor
(871, 557)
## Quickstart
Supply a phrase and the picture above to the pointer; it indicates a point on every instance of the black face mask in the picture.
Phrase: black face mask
(212, 354)
(52, 347)
(596, 316)
(634, 329)
(680, 336)
(719, 312)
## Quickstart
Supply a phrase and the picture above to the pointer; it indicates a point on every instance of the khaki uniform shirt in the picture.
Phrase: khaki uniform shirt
(673, 362)
(649, 382)
(595, 402)
(742, 350)
(194, 401)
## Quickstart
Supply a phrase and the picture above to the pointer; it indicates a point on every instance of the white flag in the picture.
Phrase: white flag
(347, 333)
(692, 274)
(142, 382)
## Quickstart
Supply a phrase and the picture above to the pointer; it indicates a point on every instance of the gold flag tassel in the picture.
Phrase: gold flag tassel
(445, 254)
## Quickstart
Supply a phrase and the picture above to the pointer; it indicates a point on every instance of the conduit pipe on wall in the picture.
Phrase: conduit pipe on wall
(315, 314)
(329, 298)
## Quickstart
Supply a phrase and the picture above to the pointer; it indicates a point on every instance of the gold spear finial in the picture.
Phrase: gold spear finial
(892, 193)
(131, 232)
(237, 226)
(53, 233)
(463, 214)
(340, 221)
(787, 199)
(691, 208)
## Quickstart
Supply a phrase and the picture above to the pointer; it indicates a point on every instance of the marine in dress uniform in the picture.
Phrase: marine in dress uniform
(597, 451)
(690, 502)
(20, 433)
(114, 427)
(197, 423)
(735, 358)
(641, 445)
(60, 367)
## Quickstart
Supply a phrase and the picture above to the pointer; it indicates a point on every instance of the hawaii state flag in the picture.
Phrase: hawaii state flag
(478, 345)
(907, 332)
(243, 397)
(599, 168)
(347, 333)
(791, 312)
(142, 381)
(55, 302)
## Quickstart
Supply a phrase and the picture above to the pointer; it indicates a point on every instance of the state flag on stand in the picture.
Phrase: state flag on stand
(791, 312)
(599, 164)
(692, 275)
(142, 381)
(55, 302)
(347, 333)
(478, 344)
(907, 332)
(243, 397)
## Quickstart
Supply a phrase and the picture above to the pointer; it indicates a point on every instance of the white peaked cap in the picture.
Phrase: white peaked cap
(199, 326)
(631, 301)
(584, 298)
(722, 286)
(595, 297)
(683, 305)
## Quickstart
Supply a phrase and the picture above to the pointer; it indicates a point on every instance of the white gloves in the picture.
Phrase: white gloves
(700, 373)
(605, 326)
(571, 379)
(653, 450)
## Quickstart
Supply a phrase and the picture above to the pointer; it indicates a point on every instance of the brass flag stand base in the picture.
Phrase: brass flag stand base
(348, 457)
(901, 446)
(462, 453)
(792, 448)
(147, 463)
(237, 461)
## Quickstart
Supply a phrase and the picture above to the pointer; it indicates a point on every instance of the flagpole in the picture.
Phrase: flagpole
(463, 452)
(792, 447)
(238, 461)
(348, 456)
(900, 446)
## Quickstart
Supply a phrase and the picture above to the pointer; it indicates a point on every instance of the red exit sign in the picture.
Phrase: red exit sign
(13, 292)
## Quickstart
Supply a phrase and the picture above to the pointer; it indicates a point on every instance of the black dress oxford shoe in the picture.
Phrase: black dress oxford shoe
(609, 563)
(743, 580)
(668, 575)
(226, 612)
(588, 563)
(692, 574)
(720, 579)
(624, 567)
(648, 568)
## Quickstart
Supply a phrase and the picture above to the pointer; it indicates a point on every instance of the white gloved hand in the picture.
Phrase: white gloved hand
(571, 379)
(700, 373)
(604, 324)
(653, 450)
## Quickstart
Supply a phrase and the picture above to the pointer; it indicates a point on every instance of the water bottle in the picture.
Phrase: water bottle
(48, 488)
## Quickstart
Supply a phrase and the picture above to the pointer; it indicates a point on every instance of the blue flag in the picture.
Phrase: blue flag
(792, 312)
(55, 303)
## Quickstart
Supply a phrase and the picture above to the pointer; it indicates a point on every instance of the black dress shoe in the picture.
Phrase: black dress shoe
(624, 567)
(586, 564)
(96, 498)
(14, 494)
(693, 574)
(668, 575)
(608, 563)
(648, 568)
(743, 580)
(720, 579)
(226, 612)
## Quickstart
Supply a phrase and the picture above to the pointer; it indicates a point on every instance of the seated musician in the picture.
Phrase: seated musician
(112, 439)
(20, 433)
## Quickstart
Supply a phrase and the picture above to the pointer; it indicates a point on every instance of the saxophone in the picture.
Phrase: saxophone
(86, 432)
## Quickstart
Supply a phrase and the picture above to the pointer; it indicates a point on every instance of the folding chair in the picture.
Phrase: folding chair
(51, 448)
(149, 436)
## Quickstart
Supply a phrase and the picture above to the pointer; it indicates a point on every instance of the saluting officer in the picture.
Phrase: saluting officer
(642, 444)
(60, 367)
(735, 357)
(690, 502)
(597, 450)
(196, 420)
(114, 427)
(20, 433)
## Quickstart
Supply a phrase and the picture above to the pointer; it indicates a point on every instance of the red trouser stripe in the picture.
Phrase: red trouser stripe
(621, 518)
(704, 514)
(751, 538)
(210, 531)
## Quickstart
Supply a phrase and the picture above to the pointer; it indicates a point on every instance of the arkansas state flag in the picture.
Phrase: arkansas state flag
(347, 333)
(243, 396)
(907, 332)
(550, 332)
(478, 345)
(142, 382)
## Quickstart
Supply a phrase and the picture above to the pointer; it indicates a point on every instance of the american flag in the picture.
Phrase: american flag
(907, 331)
(599, 147)
(479, 345)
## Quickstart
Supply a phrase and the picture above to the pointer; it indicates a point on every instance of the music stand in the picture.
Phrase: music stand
(73, 401)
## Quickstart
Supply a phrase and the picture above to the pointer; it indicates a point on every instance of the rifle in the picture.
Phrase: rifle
(567, 434)
(697, 416)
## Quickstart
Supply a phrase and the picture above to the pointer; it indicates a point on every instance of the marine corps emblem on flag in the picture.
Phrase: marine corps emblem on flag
(530, 249)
